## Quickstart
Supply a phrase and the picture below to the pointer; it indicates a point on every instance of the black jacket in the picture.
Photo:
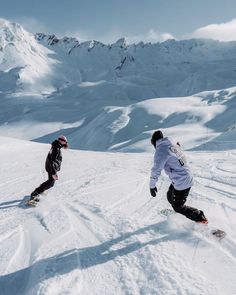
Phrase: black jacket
(54, 158)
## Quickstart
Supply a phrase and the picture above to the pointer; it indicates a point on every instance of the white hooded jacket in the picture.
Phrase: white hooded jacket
(169, 156)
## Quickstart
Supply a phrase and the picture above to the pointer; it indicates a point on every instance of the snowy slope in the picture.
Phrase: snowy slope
(111, 97)
(98, 231)
(103, 123)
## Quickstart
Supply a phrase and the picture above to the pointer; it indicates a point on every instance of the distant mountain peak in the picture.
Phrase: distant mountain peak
(10, 31)
(24, 62)
(122, 43)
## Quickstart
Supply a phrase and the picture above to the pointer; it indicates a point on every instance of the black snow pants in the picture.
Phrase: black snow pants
(178, 198)
(44, 186)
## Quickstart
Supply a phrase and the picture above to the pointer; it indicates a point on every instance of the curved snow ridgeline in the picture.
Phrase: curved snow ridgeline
(111, 97)
(98, 231)
(203, 121)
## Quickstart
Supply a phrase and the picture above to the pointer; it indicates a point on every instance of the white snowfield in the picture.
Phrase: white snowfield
(98, 231)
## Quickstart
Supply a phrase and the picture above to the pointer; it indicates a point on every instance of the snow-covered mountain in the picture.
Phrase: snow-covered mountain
(171, 68)
(25, 65)
(113, 96)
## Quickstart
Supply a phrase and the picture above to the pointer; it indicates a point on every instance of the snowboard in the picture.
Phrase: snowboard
(218, 233)
(204, 229)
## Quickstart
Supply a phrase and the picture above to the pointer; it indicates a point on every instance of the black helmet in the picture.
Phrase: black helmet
(156, 136)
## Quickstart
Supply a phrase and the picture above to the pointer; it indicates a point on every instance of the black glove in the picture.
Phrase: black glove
(153, 191)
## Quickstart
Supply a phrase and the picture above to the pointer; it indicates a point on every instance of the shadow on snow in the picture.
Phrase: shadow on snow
(15, 203)
(64, 263)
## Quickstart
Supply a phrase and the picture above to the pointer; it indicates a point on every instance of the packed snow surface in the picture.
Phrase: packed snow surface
(98, 231)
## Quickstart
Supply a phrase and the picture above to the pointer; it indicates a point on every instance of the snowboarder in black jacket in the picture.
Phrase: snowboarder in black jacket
(52, 166)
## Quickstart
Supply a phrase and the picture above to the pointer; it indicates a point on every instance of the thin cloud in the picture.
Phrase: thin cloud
(222, 32)
(152, 36)
(31, 24)
(107, 38)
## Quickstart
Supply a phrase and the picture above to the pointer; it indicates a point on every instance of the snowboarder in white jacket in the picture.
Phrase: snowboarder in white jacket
(169, 156)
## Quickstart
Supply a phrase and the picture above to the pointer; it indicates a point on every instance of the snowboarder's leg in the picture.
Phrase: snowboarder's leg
(178, 199)
(44, 186)
(170, 194)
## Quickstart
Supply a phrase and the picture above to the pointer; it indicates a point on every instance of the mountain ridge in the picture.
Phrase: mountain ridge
(170, 68)
(102, 96)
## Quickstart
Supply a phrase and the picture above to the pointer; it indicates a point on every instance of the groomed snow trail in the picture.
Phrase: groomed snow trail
(98, 231)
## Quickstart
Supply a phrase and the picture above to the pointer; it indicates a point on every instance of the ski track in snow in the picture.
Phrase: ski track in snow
(98, 231)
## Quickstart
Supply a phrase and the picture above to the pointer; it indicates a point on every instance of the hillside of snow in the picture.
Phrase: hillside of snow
(105, 124)
(98, 231)
(112, 97)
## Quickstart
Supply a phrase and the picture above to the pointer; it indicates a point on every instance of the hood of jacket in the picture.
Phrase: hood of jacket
(56, 144)
(163, 141)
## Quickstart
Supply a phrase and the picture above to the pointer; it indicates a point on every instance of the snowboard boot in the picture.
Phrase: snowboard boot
(34, 196)
(202, 218)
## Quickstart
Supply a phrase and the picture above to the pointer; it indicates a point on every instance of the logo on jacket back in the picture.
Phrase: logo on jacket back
(177, 152)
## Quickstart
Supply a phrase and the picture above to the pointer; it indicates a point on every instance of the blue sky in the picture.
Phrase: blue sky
(108, 20)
